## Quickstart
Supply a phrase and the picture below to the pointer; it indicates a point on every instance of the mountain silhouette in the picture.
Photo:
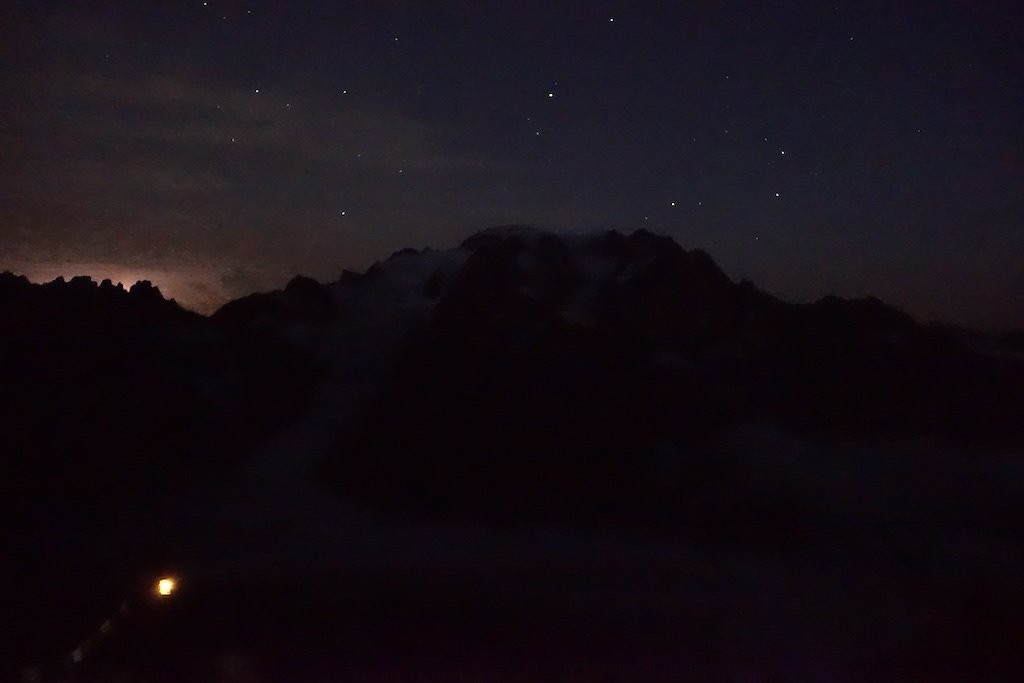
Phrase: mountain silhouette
(554, 372)
(590, 381)
(520, 359)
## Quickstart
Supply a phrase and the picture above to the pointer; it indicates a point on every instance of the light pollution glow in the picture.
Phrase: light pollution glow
(197, 288)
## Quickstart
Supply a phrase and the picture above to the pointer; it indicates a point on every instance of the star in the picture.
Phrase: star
(673, 203)
(777, 194)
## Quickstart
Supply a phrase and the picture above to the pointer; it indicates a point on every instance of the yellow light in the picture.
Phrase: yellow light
(165, 586)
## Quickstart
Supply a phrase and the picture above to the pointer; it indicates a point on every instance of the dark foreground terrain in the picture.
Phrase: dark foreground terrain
(561, 605)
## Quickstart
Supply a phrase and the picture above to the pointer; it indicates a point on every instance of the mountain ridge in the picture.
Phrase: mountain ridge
(580, 349)
(520, 378)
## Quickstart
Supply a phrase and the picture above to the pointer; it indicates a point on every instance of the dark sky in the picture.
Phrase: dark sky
(221, 146)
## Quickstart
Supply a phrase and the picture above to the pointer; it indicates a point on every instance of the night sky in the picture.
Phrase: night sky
(223, 146)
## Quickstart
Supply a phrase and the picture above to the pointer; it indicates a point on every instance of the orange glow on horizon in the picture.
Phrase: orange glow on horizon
(198, 288)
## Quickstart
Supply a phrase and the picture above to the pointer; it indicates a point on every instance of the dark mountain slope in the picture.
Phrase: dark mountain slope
(115, 407)
(554, 373)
